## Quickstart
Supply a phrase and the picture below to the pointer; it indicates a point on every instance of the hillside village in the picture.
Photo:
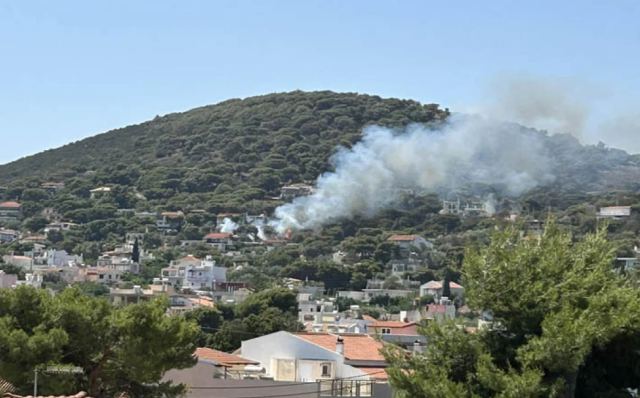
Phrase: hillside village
(193, 229)
(350, 300)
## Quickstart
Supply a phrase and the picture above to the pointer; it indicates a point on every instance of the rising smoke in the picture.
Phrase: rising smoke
(372, 174)
(228, 226)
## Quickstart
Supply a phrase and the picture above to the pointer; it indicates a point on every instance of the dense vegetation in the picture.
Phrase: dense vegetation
(562, 324)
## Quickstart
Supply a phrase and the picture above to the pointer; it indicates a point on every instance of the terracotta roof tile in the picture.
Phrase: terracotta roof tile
(357, 347)
(11, 205)
(377, 373)
(222, 358)
(218, 235)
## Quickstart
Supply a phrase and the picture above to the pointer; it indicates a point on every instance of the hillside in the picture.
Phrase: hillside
(235, 156)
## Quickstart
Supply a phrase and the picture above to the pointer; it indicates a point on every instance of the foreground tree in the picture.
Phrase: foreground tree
(124, 349)
(561, 316)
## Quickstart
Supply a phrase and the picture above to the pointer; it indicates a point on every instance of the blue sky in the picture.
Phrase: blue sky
(71, 69)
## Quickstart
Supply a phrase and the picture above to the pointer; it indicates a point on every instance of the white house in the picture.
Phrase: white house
(219, 240)
(60, 258)
(614, 212)
(190, 272)
(310, 357)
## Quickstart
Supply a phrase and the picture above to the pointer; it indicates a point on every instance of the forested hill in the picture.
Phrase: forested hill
(234, 154)
(254, 143)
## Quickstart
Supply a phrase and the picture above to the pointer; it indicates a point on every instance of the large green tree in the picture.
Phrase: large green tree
(124, 349)
(562, 320)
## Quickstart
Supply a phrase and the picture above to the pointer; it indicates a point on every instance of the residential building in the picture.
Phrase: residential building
(393, 328)
(100, 192)
(212, 364)
(30, 279)
(292, 191)
(7, 280)
(400, 266)
(101, 275)
(59, 226)
(59, 258)
(220, 240)
(614, 212)
(443, 310)
(436, 288)
(371, 293)
(316, 311)
(52, 187)
(136, 294)
(190, 272)
(8, 235)
(310, 357)
(19, 261)
(10, 211)
(170, 221)
(118, 263)
(410, 242)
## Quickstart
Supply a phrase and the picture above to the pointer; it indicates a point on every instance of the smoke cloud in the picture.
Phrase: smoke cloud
(564, 106)
(228, 226)
(373, 173)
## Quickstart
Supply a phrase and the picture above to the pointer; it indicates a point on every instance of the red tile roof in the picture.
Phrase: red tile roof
(377, 373)
(222, 358)
(10, 205)
(403, 238)
(391, 324)
(218, 235)
(357, 347)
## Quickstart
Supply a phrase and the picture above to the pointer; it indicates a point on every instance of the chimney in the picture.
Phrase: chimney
(417, 347)
(340, 345)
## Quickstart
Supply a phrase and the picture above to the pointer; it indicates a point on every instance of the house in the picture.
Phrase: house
(39, 239)
(371, 293)
(408, 242)
(478, 209)
(100, 275)
(33, 280)
(436, 288)
(219, 240)
(100, 192)
(52, 187)
(310, 357)
(443, 310)
(190, 272)
(402, 333)
(292, 191)
(10, 211)
(118, 263)
(393, 328)
(318, 311)
(59, 226)
(231, 216)
(400, 266)
(18, 261)
(614, 212)
(136, 294)
(7, 280)
(170, 221)
(8, 235)
(212, 364)
(59, 258)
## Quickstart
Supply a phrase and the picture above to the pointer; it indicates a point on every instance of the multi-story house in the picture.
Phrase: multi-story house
(10, 211)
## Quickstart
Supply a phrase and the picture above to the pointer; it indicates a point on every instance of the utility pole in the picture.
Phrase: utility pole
(35, 382)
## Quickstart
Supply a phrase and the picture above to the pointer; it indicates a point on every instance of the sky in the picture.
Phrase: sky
(72, 69)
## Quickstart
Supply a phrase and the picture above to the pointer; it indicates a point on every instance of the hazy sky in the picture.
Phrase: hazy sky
(71, 69)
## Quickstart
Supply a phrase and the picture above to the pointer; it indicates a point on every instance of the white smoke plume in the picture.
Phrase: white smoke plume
(371, 175)
(228, 226)
(569, 106)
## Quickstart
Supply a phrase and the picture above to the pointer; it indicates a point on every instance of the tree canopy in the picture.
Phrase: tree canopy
(125, 349)
(559, 316)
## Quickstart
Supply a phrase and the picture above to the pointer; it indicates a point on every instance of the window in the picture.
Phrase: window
(326, 370)
(385, 331)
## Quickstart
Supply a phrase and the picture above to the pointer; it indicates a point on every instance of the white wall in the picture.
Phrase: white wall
(284, 345)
